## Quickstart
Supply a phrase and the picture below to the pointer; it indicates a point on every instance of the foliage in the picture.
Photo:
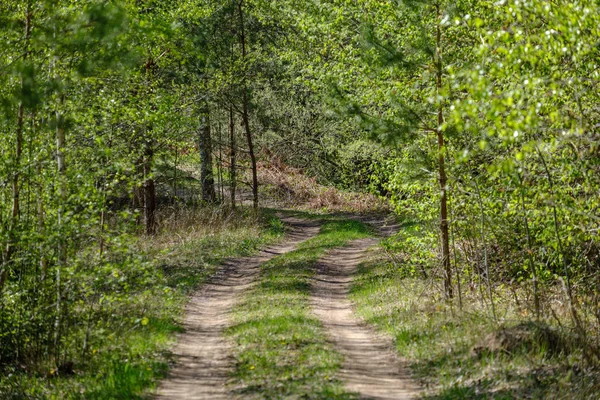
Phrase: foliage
(477, 120)
(509, 89)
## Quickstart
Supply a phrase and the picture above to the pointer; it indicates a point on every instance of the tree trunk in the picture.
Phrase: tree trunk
(252, 155)
(485, 251)
(534, 278)
(442, 168)
(561, 251)
(232, 166)
(206, 163)
(175, 166)
(41, 218)
(62, 244)
(220, 164)
(15, 211)
(149, 194)
(245, 118)
(137, 195)
(42, 228)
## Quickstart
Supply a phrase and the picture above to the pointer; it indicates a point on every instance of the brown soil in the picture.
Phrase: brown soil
(371, 367)
(203, 355)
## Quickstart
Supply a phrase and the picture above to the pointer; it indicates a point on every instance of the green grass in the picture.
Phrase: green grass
(438, 341)
(129, 337)
(282, 351)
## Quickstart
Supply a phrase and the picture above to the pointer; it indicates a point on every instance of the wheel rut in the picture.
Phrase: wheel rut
(371, 368)
(203, 355)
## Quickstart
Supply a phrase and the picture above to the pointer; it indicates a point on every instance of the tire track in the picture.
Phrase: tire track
(371, 368)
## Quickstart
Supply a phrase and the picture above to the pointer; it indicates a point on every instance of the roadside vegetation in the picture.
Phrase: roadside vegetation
(136, 135)
(458, 349)
(122, 349)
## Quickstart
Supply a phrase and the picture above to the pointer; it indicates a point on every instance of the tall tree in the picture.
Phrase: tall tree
(206, 169)
(245, 114)
(407, 50)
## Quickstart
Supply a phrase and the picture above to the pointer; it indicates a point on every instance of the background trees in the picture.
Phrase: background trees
(490, 102)
(477, 120)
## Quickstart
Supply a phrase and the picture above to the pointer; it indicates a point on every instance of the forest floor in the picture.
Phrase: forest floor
(326, 310)
(325, 315)
(280, 324)
(323, 311)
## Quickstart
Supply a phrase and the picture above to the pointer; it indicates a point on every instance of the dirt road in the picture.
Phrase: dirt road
(371, 368)
(203, 355)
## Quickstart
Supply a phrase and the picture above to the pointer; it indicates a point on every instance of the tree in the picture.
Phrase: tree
(407, 50)
(206, 171)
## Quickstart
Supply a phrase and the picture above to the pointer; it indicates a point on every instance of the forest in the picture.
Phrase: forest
(307, 199)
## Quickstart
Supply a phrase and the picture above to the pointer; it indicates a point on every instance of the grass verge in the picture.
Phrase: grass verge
(282, 351)
(131, 327)
(466, 355)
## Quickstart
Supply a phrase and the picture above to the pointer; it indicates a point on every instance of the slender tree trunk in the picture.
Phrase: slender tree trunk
(563, 255)
(20, 123)
(149, 191)
(245, 118)
(206, 163)
(220, 164)
(252, 155)
(102, 221)
(137, 198)
(232, 161)
(42, 230)
(534, 278)
(62, 195)
(442, 168)
(485, 251)
(457, 269)
(15, 210)
(567, 281)
(41, 218)
(175, 173)
(18, 154)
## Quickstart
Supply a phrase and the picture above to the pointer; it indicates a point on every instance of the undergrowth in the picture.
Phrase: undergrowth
(125, 343)
(465, 354)
(292, 188)
(282, 351)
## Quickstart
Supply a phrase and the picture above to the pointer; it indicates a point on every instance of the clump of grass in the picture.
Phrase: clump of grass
(467, 355)
(282, 351)
(190, 248)
(128, 334)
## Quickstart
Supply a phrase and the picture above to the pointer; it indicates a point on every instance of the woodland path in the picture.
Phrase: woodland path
(371, 367)
(203, 355)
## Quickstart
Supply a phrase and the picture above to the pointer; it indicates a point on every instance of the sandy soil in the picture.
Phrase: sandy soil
(371, 368)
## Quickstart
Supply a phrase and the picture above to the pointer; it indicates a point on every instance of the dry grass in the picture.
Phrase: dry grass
(292, 188)
(179, 225)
